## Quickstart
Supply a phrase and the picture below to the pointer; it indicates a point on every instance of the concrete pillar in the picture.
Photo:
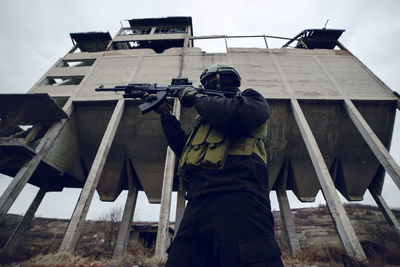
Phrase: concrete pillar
(339, 216)
(78, 217)
(165, 208)
(380, 151)
(342, 222)
(180, 206)
(129, 210)
(23, 225)
(17, 184)
(387, 212)
(288, 225)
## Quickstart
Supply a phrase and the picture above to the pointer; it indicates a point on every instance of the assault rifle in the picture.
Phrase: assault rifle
(138, 90)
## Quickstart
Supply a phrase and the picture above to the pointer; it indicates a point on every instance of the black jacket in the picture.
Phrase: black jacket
(239, 116)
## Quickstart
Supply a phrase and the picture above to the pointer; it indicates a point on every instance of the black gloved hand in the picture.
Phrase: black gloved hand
(187, 96)
(162, 108)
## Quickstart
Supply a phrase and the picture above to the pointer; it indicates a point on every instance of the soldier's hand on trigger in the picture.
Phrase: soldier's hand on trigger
(162, 108)
(187, 96)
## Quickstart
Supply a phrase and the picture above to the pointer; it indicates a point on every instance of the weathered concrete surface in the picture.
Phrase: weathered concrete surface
(78, 217)
(308, 72)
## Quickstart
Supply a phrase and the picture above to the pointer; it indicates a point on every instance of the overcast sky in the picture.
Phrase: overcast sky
(34, 34)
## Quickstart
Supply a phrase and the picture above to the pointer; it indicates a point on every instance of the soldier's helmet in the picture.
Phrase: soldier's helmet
(220, 76)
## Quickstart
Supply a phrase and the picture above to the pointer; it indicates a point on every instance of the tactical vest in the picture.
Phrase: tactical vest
(208, 146)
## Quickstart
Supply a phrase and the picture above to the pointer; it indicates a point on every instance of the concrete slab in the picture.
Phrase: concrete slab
(24, 109)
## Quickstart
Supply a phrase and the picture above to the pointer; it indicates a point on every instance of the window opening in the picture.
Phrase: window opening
(76, 63)
(65, 80)
(167, 30)
(134, 44)
(60, 101)
(136, 31)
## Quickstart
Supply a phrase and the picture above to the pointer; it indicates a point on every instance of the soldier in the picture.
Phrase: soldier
(228, 220)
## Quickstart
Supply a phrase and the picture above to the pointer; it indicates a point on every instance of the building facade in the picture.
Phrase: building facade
(331, 124)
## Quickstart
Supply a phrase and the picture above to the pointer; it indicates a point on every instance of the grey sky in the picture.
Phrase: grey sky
(34, 34)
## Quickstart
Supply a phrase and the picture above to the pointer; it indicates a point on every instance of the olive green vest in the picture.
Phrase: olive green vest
(208, 147)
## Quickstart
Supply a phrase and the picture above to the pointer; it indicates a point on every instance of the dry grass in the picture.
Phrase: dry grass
(98, 239)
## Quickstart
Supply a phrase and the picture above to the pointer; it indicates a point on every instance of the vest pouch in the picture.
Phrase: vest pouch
(194, 154)
(242, 146)
(217, 149)
(248, 146)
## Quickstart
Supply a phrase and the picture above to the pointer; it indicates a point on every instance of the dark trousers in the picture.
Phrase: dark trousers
(225, 230)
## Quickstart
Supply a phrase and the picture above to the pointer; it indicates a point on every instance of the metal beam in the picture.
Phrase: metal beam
(163, 222)
(339, 216)
(129, 210)
(78, 218)
(23, 225)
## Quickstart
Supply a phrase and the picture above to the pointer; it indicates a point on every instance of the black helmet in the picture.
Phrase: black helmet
(220, 70)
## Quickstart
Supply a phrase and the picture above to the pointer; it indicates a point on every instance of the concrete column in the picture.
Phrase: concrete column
(129, 210)
(339, 216)
(24, 223)
(78, 217)
(17, 184)
(165, 208)
(380, 151)
(288, 225)
(180, 206)
(387, 212)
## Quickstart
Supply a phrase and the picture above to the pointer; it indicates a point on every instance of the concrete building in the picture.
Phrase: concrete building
(331, 124)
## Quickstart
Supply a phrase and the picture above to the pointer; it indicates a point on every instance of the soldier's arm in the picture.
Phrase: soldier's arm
(246, 111)
(174, 133)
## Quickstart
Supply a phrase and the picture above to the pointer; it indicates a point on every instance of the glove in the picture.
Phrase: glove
(162, 108)
(187, 96)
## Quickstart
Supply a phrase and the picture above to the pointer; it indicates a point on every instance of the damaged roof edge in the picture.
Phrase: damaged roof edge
(316, 38)
(91, 41)
(166, 21)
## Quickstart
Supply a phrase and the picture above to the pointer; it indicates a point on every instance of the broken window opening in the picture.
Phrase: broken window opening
(136, 31)
(168, 30)
(134, 44)
(159, 46)
(60, 101)
(75, 50)
(76, 63)
(25, 127)
(70, 80)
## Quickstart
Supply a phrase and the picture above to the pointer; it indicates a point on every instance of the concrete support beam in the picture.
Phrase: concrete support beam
(165, 208)
(342, 222)
(23, 225)
(387, 212)
(180, 206)
(78, 217)
(129, 210)
(380, 151)
(24, 174)
(289, 227)
(17, 184)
